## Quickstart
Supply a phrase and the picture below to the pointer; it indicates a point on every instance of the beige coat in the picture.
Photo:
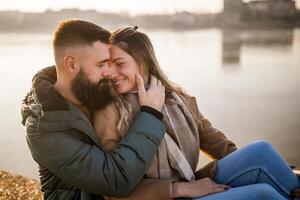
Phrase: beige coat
(210, 140)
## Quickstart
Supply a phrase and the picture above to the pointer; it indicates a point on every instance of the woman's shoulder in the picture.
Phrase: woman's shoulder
(190, 102)
(188, 99)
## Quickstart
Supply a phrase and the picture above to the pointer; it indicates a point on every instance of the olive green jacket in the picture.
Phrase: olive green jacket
(71, 163)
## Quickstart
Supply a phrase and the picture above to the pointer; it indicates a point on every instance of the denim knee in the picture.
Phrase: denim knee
(262, 146)
(259, 153)
(265, 191)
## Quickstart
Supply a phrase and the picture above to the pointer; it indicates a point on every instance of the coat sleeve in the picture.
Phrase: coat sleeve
(212, 141)
(87, 167)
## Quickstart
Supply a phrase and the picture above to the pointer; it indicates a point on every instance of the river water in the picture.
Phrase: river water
(246, 82)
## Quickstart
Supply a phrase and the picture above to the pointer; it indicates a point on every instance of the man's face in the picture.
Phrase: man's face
(91, 86)
(94, 61)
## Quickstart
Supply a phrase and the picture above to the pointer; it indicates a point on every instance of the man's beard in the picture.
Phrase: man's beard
(94, 96)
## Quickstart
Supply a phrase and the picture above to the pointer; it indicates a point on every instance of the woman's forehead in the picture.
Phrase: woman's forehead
(117, 52)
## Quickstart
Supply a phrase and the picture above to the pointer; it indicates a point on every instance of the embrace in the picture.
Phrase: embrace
(106, 123)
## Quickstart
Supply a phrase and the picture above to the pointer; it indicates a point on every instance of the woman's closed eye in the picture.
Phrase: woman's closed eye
(120, 64)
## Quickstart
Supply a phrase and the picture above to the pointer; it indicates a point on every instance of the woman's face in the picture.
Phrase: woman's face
(123, 70)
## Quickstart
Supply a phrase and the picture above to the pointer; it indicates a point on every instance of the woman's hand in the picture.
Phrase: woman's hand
(199, 188)
(155, 96)
(297, 172)
(296, 192)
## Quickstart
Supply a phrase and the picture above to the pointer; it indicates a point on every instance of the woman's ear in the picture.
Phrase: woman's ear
(71, 64)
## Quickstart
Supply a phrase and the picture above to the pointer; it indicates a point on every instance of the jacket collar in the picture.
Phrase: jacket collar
(54, 112)
(81, 122)
(43, 88)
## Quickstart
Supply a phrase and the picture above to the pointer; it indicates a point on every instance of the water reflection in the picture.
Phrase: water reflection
(234, 40)
(231, 48)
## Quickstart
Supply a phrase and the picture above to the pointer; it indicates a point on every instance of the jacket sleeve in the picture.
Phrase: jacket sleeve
(87, 167)
(212, 141)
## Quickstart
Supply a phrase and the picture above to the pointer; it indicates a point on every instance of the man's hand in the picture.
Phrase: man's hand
(155, 96)
(199, 188)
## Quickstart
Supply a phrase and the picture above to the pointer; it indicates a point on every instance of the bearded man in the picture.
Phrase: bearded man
(58, 111)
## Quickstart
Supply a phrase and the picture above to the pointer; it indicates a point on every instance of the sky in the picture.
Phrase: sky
(129, 6)
(126, 6)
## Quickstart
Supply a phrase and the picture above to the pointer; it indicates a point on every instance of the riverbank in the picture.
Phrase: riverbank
(13, 186)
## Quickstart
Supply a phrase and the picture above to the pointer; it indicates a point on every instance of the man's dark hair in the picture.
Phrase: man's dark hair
(78, 32)
(74, 32)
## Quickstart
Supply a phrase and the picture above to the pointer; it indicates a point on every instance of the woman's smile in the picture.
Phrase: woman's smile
(119, 82)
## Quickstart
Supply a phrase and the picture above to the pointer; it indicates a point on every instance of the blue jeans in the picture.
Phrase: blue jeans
(260, 191)
(256, 171)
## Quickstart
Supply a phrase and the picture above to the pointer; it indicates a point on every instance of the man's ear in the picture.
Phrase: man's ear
(71, 64)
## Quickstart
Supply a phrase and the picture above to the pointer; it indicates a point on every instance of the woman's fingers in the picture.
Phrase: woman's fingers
(226, 187)
(159, 84)
(153, 80)
(217, 188)
(140, 84)
(207, 180)
(297, 172)
(154, 97)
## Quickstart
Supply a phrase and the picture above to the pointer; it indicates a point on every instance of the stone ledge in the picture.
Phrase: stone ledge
(16, 187)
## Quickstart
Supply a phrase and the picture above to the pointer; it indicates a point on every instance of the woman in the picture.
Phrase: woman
(235, 174)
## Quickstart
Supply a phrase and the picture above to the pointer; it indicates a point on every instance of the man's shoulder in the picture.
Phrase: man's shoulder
(43, 109)
(44, 91)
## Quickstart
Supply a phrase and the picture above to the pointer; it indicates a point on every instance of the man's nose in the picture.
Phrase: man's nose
(106, 71)
(112, 71)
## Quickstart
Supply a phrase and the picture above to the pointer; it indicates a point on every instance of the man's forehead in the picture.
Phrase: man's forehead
(97, 50)
(100, 47)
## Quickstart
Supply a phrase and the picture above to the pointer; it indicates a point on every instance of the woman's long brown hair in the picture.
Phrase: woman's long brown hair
(140, 48)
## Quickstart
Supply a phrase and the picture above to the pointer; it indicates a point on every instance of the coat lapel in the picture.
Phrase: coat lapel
(80, 122)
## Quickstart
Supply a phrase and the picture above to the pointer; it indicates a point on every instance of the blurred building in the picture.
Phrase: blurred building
(232, 11)
(275, 9)
(256, 13)
(237, 10)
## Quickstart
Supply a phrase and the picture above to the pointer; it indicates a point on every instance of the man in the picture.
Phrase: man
(57, 115)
